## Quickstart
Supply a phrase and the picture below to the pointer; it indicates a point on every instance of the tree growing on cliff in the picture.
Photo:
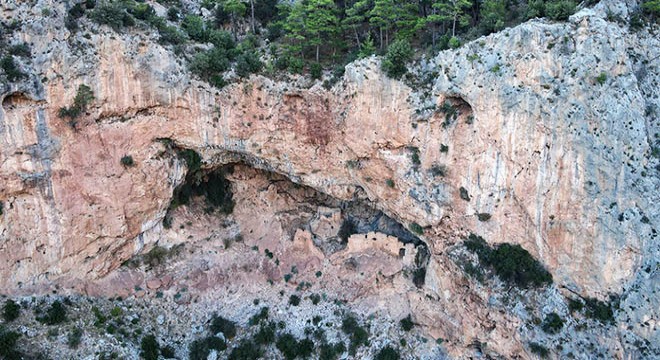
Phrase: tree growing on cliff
(454, 11)
(321, 23)
(84, 97)
(398, 55)
(493, 15)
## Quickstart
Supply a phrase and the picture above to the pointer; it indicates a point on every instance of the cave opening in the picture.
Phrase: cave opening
(211, 190)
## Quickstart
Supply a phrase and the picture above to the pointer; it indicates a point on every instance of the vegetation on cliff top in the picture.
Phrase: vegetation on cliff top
(312, 35)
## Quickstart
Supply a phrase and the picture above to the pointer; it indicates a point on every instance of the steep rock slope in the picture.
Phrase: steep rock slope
(532, 135)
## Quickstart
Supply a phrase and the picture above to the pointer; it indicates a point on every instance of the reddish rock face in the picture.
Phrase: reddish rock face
(555, 162)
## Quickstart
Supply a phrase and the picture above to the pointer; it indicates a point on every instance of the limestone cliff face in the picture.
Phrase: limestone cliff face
(561, 161)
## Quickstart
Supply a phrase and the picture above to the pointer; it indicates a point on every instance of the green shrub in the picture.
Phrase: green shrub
(358, 335)
(407, 323)
(416, 228)
(414, 155)
(559, 9)
(22, 50)
(315, 298)
(266, 334)
(388, 353)
(11, 70)
(246, 350)
(399, 53)
(539, 349)
(599, 310)
(316, 71)
(483, 216)
(201, 348)
(296, 65)
(516, 265)
(248, 63)
(226, 327)
(511, 263)
(171, 35)
(294, 300)
(331, 351)
(195, 28)
(112, 14)
(127, 161)
(74, 337)
(651, 7)
(84, 97)
(173, 14)
(601, 78)
(56, 314)
(389, 183)
(463, 193)
(11, 310)
(261, 316)
(454, 42)
(149, 348)
(210, 65)
(8, 340)
(144, 12)
(305, 348)
(168, 352)
(287, 344)
(552, 323)
(575, 305)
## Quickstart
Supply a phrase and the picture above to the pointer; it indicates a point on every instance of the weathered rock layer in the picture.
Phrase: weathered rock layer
(560, 161)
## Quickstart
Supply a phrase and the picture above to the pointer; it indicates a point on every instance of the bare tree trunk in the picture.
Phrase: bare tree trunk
(453, 27)
(357, 37)
(254, 30)
(317, 52)
(381, 38)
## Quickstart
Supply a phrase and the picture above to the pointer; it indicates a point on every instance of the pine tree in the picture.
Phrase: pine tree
(356, 16)
(320, 22)
(454, 10)
(382, 16)
(294, 26)
(236, 9)
(493, 15)
(407, 19)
